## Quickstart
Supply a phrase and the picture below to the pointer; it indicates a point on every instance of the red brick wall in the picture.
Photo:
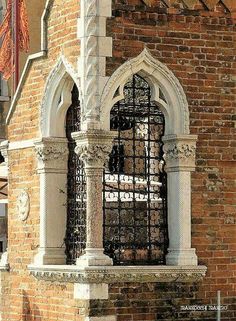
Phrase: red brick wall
(25, 298)
(199, 47)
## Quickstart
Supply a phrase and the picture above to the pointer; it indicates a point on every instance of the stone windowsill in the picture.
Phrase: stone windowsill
(115, 274)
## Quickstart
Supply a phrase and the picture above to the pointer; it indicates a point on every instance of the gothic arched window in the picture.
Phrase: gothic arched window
(134, 184)
(76, 187)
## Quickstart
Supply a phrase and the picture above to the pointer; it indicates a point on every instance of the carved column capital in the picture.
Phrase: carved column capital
(52, 154)
(94, 147)
(4, 145)
(180, 152)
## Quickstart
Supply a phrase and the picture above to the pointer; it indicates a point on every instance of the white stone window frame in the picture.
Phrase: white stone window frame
(51, 150)
(179, 145)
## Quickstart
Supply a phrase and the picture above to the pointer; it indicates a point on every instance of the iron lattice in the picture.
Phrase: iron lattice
(134, 182)
(76, 188)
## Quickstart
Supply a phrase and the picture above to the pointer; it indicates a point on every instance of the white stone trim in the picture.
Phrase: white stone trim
(103, 318)
(57, 89)
(4, 265)
(159, 77)
(22, 144)
(44, 30)
(117, 274)
(4, 147)
(95, 47)
(179, 154)
(52, 154)
(31, 59)
(94, 291)
(16, 97)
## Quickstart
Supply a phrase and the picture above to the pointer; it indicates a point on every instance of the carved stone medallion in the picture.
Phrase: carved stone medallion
(23, 205)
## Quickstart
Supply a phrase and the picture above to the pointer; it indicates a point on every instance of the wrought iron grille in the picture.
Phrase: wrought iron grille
(134, 182)
(76, 187)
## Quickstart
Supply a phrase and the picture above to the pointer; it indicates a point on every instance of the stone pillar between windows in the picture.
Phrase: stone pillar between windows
(180, 162)
(93, 148)
(52, 155)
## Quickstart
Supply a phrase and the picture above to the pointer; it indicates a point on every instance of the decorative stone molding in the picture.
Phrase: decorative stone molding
(94, 153)
(30, 60)
(93, 291)
(115, 274)
(23, 205)
(4, 265)
(103, 318)
(4, 146)
(57, 89)
(52, 154)
(94, 146)
(180, 152)
(157, 74)
(95, 47)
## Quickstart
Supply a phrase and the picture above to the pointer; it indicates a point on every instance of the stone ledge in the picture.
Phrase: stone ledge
(116, 274)
(4, 268)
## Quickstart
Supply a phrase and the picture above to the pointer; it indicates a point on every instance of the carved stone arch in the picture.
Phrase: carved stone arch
(57, 98)
(52, 155)
(159, 78)
(179, 145)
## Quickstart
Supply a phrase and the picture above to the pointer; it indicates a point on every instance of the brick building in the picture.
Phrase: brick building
(6, 94)
(120, 157)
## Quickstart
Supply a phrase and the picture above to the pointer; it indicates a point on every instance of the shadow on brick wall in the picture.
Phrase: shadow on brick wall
(30, 310)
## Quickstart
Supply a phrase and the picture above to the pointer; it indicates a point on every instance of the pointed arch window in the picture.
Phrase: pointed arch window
(76, 187)
(134, 184)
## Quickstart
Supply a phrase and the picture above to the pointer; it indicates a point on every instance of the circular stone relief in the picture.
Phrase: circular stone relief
(23, 205)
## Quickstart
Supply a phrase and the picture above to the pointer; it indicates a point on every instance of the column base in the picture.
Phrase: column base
(50, 256)
(181, 257)
(94, 257)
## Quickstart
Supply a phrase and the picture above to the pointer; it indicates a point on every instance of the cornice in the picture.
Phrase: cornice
(114, 274)
(192, 4)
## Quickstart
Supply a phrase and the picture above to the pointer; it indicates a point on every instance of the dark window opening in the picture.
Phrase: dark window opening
(134, 183)
(76, 187)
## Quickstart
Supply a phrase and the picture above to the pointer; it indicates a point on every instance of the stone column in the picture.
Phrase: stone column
(52, 155)
(180, 162)
(93, 148)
